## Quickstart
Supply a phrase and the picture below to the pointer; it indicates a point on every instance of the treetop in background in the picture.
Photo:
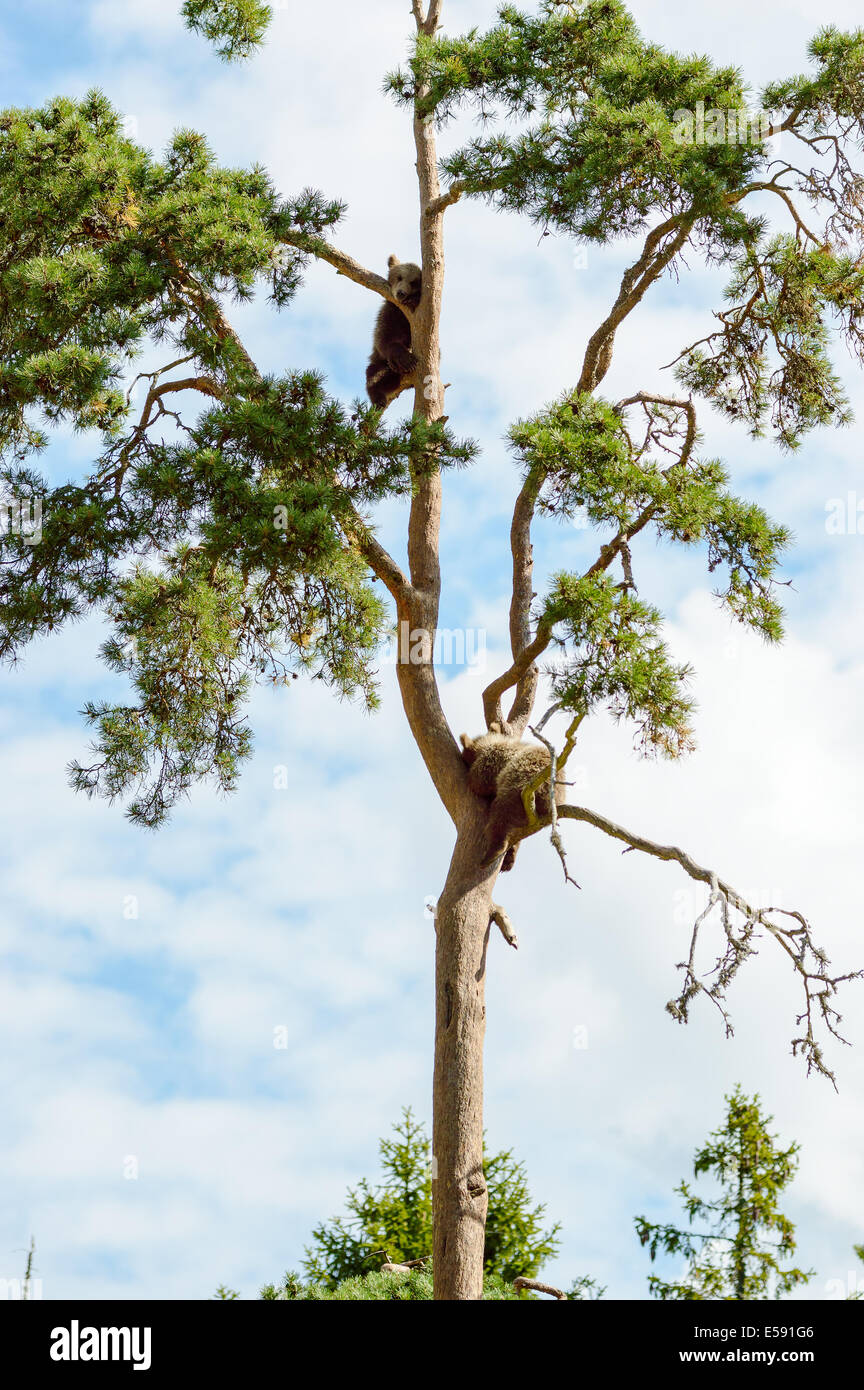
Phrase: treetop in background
(235, 27)
(392, 1220)
(738, 1256)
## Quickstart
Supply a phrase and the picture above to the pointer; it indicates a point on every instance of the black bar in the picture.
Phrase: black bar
(226, 1338)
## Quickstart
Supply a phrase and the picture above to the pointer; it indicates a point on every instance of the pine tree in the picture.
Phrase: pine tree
(381, 1286)
(392, 1221)
(739, 1255)
(226, 528)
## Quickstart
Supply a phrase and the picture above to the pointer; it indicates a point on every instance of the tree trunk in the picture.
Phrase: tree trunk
(459, 1186)
(462, 923)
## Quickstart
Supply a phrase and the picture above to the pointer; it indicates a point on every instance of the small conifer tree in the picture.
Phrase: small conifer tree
(746, 1237)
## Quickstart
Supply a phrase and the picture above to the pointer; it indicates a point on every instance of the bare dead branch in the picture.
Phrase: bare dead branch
(535, 1284)
(674, 403)
(404, 1268)
(783, 193)
(160, 371)
(118, 461)
(502, 921)
(556, 763)
(808, 959)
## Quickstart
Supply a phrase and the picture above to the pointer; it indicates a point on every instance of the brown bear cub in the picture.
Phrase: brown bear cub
(392, 363)
(499, 767)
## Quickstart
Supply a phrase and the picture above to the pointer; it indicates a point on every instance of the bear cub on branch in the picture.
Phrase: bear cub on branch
(499, 767)
(392, 363)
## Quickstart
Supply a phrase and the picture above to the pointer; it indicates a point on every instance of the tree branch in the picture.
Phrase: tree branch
(445, 200)
(556, 764)
(514, 674)
(635, 281)
(808, 959)
(523, 1283)
(379, 560)
(381, 563)
(676, 403)
(428, 23)
(205, 304)
(344, 264)
(619, 545)
(523, 672)
(782, 193)
(520, 605)
(501, 920)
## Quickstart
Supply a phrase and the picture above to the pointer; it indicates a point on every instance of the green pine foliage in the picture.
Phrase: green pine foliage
(582, 132)
(392, 1220)
(616, 657)
(380, 1286)
(222, 524)
(220, 543)
(781, 300)
(581, 455)
(595, 153)
(738, 1253)
(413, 1286)
(235, 27)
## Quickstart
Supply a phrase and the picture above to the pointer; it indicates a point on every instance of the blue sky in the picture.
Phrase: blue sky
(145, 976)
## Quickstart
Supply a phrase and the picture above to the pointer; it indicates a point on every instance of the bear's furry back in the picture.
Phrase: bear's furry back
(499, 769)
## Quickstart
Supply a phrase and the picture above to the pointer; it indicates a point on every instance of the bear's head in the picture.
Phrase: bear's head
(496, 741)
(406, 281)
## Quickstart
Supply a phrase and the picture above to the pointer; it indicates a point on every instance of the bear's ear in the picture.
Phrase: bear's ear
(469, 752)
(393, 260)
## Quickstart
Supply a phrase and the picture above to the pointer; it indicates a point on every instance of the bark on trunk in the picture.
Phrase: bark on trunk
(459, 1186)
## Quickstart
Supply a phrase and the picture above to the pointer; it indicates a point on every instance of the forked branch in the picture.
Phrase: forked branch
(523, 673)
(660, 248)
